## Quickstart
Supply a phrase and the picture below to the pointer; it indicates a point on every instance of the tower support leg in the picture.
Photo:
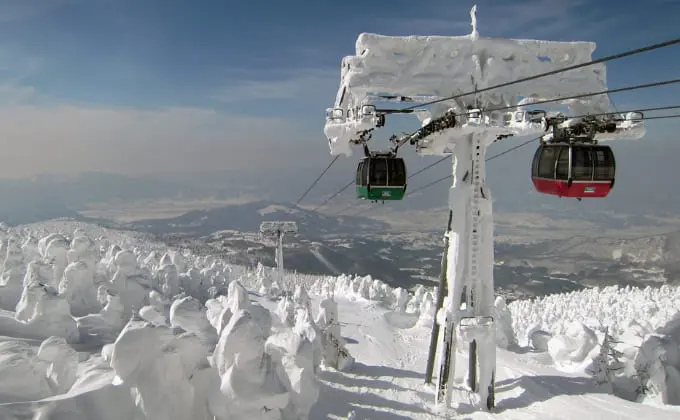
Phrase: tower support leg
(468, 325)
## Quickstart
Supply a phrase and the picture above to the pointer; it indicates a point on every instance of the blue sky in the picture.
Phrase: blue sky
(256, 68)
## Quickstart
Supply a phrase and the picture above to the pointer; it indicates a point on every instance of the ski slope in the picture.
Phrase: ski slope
(387, 381)
(198, 355)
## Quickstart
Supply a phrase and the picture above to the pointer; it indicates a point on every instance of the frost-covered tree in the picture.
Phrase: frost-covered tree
(249, 378)
(188, 314)
(285, 310)
(335, 354)
(295, 355)
(606, 363)
(77, 286)
(12, 276)
(63, 363)
(400, 299)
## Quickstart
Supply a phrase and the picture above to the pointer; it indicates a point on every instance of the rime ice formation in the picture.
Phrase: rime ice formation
(42, 313)
(157, 311)
(127, 282)
(78, 287)
(237, 299)
(63, 363)
(268, 286)
(29, 381)
(104, 327)
(85, 250)
(427, 68)
(188, 314)
(414, 303)
(214, 308)
(285, 310)
(658, 364)
(30, 248)
(301, 298)
(427, 310)
(30, 373)
(335, 354)
(539, 339)
(400, 299)
(306, 327)
(39, 270)
(505, 335)
(296, 355)
(574, 346)
(167, 277)
(250, 379)
(12, 276)
(35, 274)
(151, 360)
(56, 250)
(179, 261)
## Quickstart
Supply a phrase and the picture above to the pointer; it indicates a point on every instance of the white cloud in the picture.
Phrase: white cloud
(291, 84)
(126, 140)
(15, 94)
(12, 10)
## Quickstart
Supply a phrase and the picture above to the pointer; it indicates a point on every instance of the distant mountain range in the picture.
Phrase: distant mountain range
(646, 185)
(51, 196)
(334, 245)
(247, 217)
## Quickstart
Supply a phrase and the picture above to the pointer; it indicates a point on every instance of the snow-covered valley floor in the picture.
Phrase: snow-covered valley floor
(208, 341)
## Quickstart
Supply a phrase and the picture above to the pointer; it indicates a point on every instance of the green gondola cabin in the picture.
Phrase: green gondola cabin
(381, 178)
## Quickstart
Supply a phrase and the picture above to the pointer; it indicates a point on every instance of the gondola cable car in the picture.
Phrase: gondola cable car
(381, 176)
(577, 168)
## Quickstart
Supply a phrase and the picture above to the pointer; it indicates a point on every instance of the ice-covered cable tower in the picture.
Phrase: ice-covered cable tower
(429, 68)
(277, 229)
(473, 21)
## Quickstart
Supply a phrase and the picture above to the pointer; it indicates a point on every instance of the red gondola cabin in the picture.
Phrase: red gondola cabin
(576, 170)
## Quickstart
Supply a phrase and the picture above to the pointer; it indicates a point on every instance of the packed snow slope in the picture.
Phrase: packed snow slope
(98, 324)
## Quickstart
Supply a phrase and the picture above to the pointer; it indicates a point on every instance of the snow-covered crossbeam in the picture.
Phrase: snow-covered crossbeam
(425, 68)
(441, 66)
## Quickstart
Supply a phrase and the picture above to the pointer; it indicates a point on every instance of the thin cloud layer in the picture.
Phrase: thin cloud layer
(13, 10)
(295, 84)
(128, 140)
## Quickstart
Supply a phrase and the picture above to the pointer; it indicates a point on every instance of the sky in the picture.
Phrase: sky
(144, 86)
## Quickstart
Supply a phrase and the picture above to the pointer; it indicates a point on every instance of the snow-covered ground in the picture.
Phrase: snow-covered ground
(99, 324)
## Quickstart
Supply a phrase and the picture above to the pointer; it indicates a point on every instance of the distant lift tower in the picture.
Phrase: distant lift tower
(422, 69)
(277, 229)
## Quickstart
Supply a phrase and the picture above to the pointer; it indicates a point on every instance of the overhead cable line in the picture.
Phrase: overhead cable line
(600, 114)
(497, 155)
(410, 136)
(661, 117)
(349, 184)
(450, 176)
(586, 95)
(521, 80)
(658, 108)
(552, 72)
(426, 186)
(344, 209)
(316, 180)
(580, 95)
